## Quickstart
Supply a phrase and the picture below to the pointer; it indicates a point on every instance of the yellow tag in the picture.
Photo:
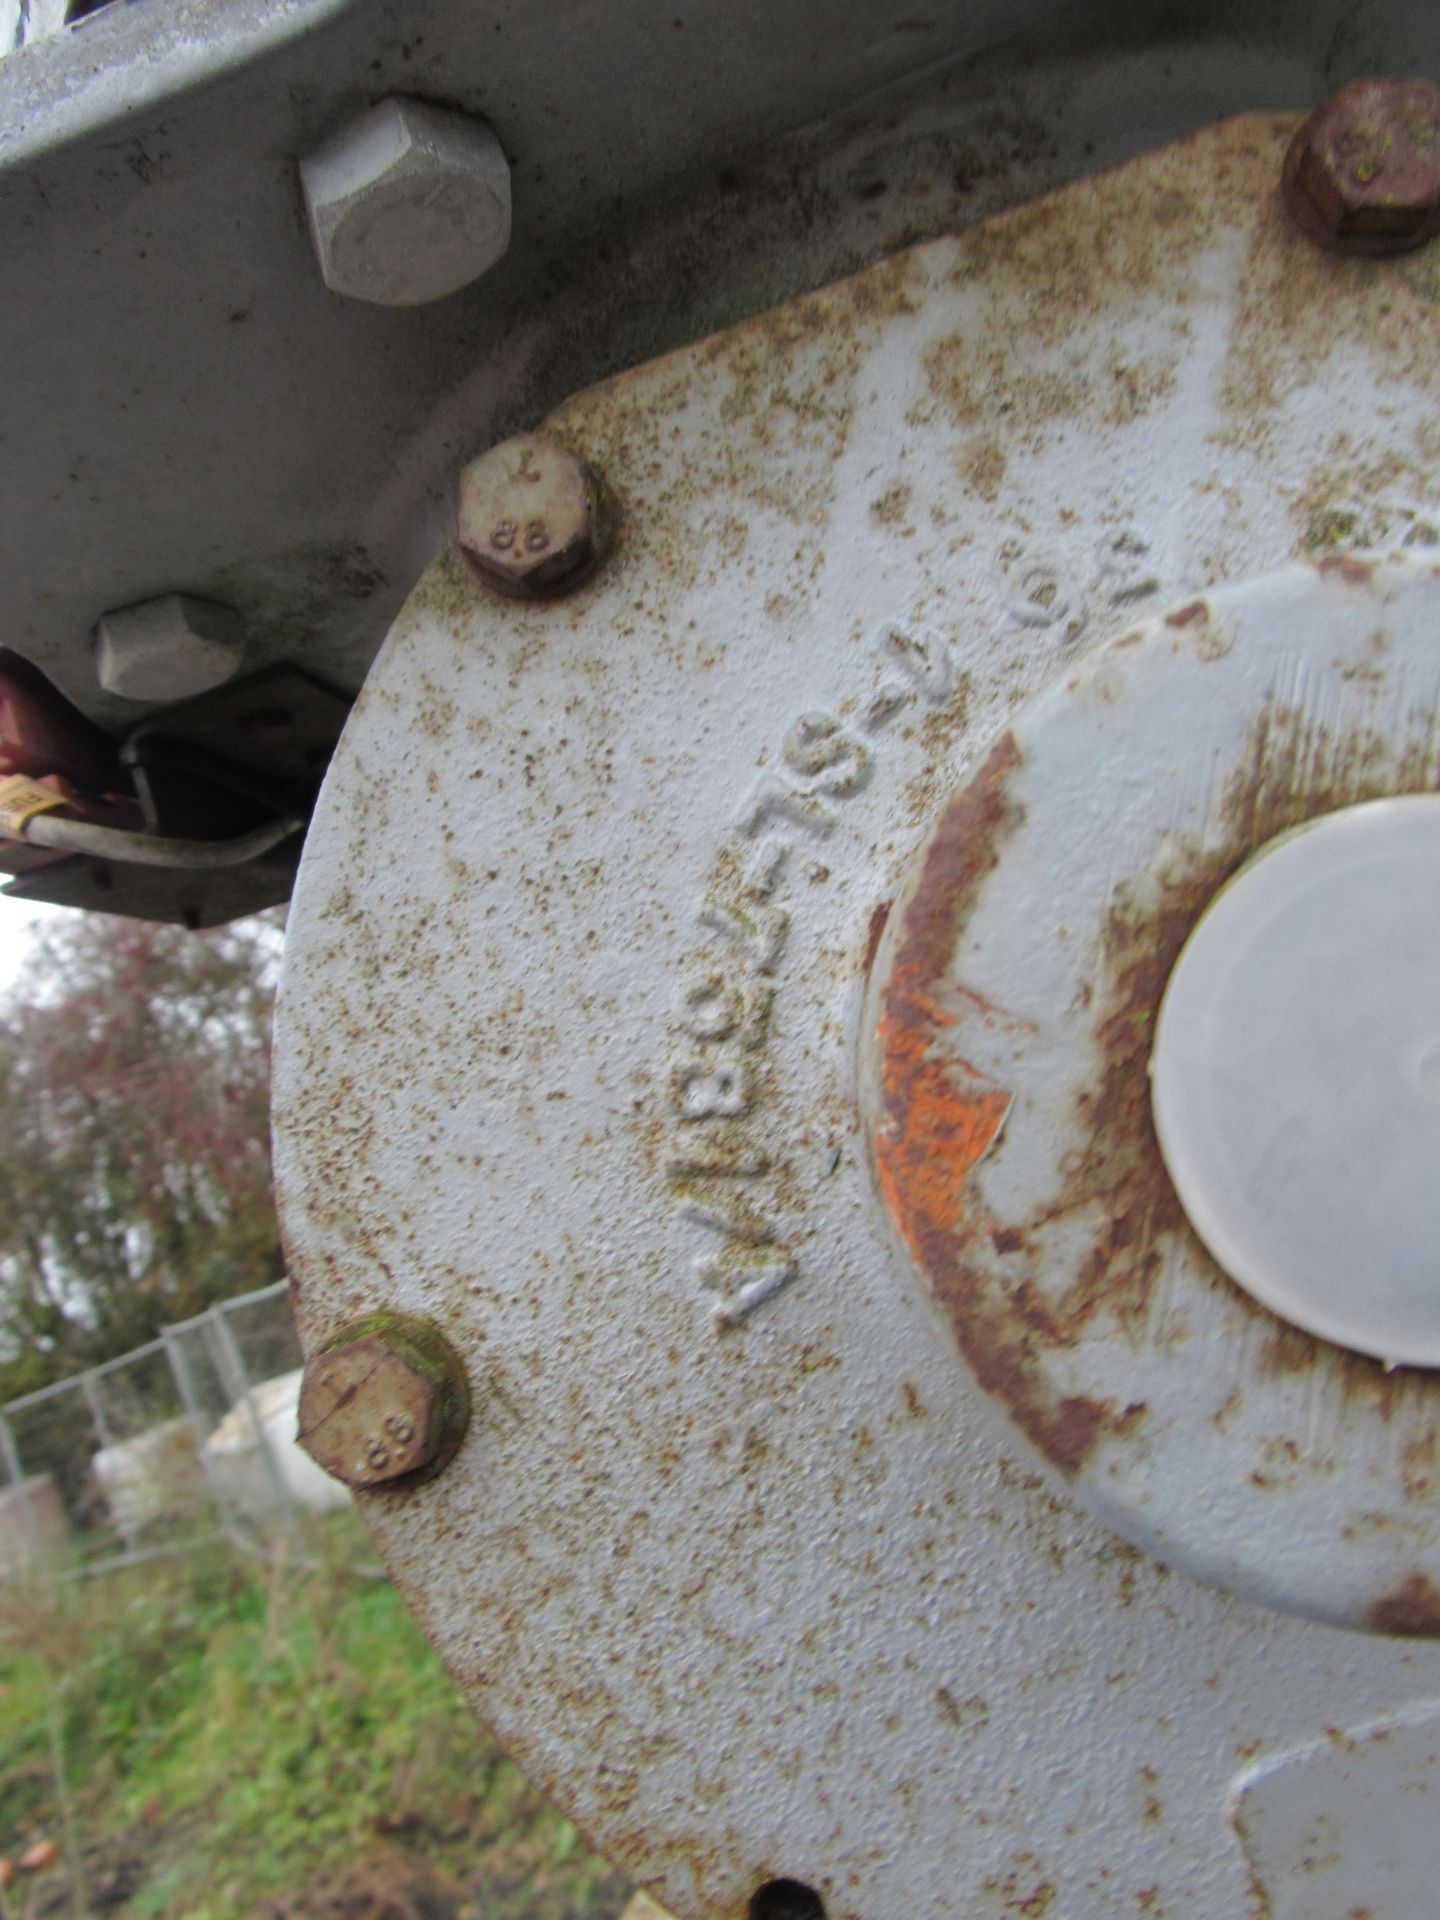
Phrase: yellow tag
(22, 799)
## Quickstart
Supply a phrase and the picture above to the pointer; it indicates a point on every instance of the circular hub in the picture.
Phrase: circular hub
(1297, 1079)
(1013, 1013)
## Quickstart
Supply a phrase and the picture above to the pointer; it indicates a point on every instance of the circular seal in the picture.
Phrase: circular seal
(1294, 1078)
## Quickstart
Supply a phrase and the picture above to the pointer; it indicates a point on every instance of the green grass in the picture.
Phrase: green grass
(231, 1730)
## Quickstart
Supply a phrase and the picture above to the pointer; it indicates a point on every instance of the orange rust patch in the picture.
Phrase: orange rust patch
(1413, 1609)
(942, 1116)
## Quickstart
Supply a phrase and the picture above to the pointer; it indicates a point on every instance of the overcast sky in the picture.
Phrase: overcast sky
(18, 922)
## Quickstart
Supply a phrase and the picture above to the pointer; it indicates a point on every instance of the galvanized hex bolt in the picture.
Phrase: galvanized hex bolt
(530, 517)
(409, 203)
(385, 1402)
(1362, 175)
(168, 649)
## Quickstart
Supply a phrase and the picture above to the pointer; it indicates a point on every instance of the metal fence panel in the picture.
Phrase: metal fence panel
(190, 1435)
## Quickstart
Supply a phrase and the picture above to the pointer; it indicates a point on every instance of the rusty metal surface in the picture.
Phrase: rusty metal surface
(1014, 1010)
(736, 1555)
(1363, 173)
(383, 1403)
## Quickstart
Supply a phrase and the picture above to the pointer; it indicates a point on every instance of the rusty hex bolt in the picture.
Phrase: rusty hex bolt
(1362, 175)
(530, 517)
(384, 1403)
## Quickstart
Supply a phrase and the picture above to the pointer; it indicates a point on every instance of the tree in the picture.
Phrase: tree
(135, 1184)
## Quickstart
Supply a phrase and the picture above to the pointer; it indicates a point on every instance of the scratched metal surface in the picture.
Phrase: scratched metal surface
(737, 1556)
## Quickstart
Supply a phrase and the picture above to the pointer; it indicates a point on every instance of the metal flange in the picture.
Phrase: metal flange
(736, 1555)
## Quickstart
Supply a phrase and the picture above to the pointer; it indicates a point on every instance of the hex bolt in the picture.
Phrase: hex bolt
(530, 517)
(1362, 175)
(168, 648)
(384, 1403)
(410, 202)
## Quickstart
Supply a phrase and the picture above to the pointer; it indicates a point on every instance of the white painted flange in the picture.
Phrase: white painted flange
(739, 1562)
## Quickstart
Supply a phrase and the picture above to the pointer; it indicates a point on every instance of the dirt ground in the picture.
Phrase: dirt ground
(392, 1882)
(398, 1886)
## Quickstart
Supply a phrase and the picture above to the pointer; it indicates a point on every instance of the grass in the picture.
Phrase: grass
(233, 1729)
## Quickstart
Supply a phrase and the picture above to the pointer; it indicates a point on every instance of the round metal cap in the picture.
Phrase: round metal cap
(1296, 1078)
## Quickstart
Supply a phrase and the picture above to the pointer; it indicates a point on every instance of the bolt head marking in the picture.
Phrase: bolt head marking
(378, 1406)
(528, 517)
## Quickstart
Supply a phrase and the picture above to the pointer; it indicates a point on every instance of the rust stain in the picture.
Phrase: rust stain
(963, 852)
(1284, 335)
(1347, 567)
(996, 1277)
(942, 1117)
(1017, 1892)
(878, 919)
(981, 468)
(1013, 369)
(1287, 1351)
(1412, 1609)
(1418, 1463)
(893, 505)
(1187, 615)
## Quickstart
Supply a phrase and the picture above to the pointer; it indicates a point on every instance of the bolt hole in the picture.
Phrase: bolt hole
(786, 1900)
